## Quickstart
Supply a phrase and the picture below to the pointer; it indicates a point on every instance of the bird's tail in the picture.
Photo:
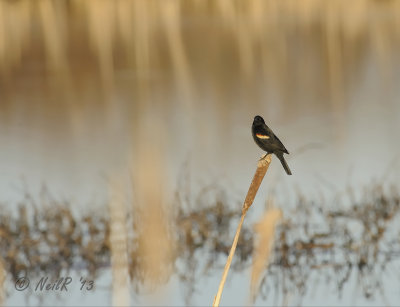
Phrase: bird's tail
(284, 164)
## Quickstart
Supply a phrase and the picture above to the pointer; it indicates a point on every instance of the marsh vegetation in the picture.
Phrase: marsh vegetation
(104, 101)
(313, 241)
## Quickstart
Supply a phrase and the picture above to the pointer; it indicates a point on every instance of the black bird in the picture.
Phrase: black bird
(268, 141)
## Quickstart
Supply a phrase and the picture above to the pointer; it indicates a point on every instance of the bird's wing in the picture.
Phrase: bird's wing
(278, 141)
(281, 145)
(262, 133)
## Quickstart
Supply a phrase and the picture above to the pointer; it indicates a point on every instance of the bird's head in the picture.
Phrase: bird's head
(258, 120)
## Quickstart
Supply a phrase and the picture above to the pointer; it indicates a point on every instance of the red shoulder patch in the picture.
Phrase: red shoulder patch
(262, 136)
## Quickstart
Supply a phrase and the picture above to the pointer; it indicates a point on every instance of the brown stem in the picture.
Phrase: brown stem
(262, 167)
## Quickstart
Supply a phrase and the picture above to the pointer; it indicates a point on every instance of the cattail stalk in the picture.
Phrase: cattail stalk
(262, 168)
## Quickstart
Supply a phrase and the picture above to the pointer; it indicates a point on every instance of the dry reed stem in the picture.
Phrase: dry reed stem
(265, 230)
(262, 167)
(119, 246)
(3, 274)
(151, 213)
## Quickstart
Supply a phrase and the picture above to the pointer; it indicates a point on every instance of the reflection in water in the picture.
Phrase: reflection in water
(352, 249)
(132, 89)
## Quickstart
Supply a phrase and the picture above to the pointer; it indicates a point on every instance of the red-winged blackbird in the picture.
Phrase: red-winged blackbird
(268, 141)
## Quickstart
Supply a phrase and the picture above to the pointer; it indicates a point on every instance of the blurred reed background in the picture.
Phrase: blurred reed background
(133, 89)
(101, 77)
